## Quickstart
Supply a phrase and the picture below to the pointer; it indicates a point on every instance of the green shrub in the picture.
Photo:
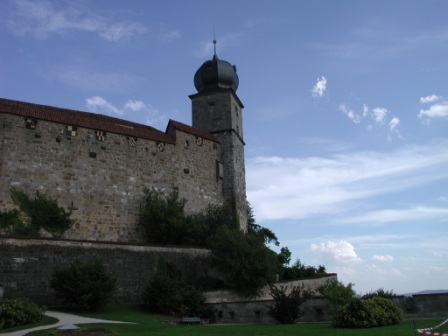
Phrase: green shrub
(43, 213)
(19, 312)
(84, 285)
(286, 308)
(367, 313)
(167, 294)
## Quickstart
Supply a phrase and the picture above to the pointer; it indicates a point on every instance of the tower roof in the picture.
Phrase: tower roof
(216, 74)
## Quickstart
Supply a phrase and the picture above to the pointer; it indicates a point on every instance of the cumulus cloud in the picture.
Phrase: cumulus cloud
(383, 258)
(393, 124)
(435, 111)
(339, 252)
(379, 114)
(152, 116)
(320, 87)
(429, 99)
(42, 19)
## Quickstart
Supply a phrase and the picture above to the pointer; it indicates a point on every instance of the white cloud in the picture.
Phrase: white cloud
(135, 105)
(320, 87)
(429, 99)
(379, 114)
(152, 116)
(400, 215)
(117, 31)
(356, 118)
(298, 188)
(338, 252)
(100, 105)
(435, 111)
(393, 124)
(365, 110)
(383, 258)
(42, 19)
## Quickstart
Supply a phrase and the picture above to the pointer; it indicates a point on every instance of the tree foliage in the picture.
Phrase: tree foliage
(247, 264)
(379, 293)
(297, 270)
(163, 218)
(84, 285)
(337, 293)
(244, 260)
(165, 293)
(286, 308)
(42, 212)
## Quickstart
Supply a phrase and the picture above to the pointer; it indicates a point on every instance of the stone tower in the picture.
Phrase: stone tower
(217, 109)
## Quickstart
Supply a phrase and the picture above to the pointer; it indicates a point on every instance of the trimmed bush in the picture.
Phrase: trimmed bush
(84, 285)
(19, 312)
(367, 313)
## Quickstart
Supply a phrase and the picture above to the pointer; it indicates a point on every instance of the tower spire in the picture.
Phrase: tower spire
(214, 45)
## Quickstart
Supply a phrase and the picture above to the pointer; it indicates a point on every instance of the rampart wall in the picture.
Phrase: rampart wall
(101, 176)
(26, 265)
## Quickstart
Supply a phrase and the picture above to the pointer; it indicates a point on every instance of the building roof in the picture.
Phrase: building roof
(95, 121)
(188, 129)
(216, 74)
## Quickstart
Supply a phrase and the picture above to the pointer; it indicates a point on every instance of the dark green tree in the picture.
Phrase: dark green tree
(84, 285)
(165, 293)
(286, 308)
(163, 218)
(245, 262)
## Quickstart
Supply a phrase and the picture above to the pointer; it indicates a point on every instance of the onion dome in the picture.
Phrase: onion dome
(216, 74)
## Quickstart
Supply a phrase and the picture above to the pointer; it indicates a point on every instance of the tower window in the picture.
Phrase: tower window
(211, 107)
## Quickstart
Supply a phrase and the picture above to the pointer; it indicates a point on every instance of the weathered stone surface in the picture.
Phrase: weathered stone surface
(26, 265)
(104, 190)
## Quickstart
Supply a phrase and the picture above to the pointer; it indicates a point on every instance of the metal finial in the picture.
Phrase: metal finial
(214, 44)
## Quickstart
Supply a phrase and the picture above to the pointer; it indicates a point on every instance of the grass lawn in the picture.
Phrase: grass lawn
(153, 325)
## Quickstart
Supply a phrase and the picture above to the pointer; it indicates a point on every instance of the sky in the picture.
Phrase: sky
(345, 118)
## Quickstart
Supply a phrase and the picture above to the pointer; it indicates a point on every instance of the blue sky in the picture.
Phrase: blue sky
(345, 119)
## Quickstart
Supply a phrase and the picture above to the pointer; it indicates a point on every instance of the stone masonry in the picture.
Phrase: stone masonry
(101, 175)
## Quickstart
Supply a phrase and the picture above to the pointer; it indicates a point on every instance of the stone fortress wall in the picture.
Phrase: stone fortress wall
(101, 175)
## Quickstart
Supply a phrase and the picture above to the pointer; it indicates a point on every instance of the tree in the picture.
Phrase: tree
(337, 293)
(246, 263)
(83, 284)
(262, 233)
(163, 218)
(165, 293)
(286, 308)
